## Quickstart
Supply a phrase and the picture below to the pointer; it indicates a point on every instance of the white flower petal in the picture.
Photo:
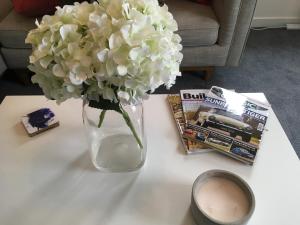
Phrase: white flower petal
(32, 59)
(75, 79)
(93, 17)
(125, 30)
(37, 23)
(86, 61)
(130, 84)
(72, 47)
(46, 61)
(70, 88)
(122, 70)
(114, 8)
(58, 71)
(134, 53)
(115, 40)
(123, 95)
(67, 29)
(100, 84)
(110, 68)
(125, 7)
(102, 55)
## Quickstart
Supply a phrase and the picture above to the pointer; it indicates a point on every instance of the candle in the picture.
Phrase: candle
(222, 200)
(220, 197)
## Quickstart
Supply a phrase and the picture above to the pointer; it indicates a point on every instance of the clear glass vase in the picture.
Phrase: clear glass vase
(114, 145)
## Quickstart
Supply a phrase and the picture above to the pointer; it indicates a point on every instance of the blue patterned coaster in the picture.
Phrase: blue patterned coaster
(39, 121)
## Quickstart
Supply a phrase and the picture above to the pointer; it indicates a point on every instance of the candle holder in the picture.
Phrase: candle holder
(221, 198)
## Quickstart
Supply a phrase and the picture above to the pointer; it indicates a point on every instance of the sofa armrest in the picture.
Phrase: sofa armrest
(226, 12)
(3, 66)
(235, 17)
(241, 32)
(6, 7)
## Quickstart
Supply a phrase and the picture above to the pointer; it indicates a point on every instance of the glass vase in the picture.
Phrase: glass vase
(116, 144)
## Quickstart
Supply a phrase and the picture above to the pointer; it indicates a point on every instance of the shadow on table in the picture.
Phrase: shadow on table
(74, 195)
(78, 195)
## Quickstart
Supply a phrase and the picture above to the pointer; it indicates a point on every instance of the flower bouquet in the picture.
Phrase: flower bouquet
(111, 53)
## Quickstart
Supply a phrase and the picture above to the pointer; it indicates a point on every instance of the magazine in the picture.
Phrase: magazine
(230, 122)
(191, 100)
(190, 146)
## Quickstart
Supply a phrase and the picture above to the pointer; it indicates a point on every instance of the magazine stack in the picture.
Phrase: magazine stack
(220, 119)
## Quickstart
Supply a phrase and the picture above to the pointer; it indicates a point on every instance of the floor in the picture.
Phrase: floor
(271, 64)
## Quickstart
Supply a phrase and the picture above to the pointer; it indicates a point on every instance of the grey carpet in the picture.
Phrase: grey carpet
(271, 64)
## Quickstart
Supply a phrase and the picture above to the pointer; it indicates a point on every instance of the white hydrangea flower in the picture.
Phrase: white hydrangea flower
(117, 49)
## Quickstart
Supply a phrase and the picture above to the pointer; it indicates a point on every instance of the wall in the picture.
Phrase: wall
(276, 13)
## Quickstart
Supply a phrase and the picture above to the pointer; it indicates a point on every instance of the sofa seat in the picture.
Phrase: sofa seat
(211, 35)
(14, 29)
(197, 24)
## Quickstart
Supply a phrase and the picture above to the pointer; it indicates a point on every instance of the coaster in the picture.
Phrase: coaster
(39, 121)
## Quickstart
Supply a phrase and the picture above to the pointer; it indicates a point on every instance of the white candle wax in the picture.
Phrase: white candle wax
(222, 200)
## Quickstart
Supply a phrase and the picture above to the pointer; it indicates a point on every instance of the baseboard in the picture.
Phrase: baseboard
(273, 21)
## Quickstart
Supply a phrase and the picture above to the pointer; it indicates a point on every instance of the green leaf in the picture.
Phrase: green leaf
(105, 104)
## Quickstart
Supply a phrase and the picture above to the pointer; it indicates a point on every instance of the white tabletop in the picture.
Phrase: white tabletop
(49, 179)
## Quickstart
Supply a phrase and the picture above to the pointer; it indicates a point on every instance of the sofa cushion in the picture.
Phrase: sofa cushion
(14, 29)
(16, 58)
(35, 7)
(197, 23)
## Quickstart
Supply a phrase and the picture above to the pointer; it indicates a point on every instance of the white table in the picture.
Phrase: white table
(48, 179)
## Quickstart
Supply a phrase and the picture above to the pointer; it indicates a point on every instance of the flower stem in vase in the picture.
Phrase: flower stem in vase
(130, 125)
(101, 118)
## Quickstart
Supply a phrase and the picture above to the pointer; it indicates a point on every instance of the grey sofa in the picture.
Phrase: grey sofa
(212, 35)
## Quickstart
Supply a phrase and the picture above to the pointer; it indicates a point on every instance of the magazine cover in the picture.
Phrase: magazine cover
(191, 100)
(189, 146)
(230, 122)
